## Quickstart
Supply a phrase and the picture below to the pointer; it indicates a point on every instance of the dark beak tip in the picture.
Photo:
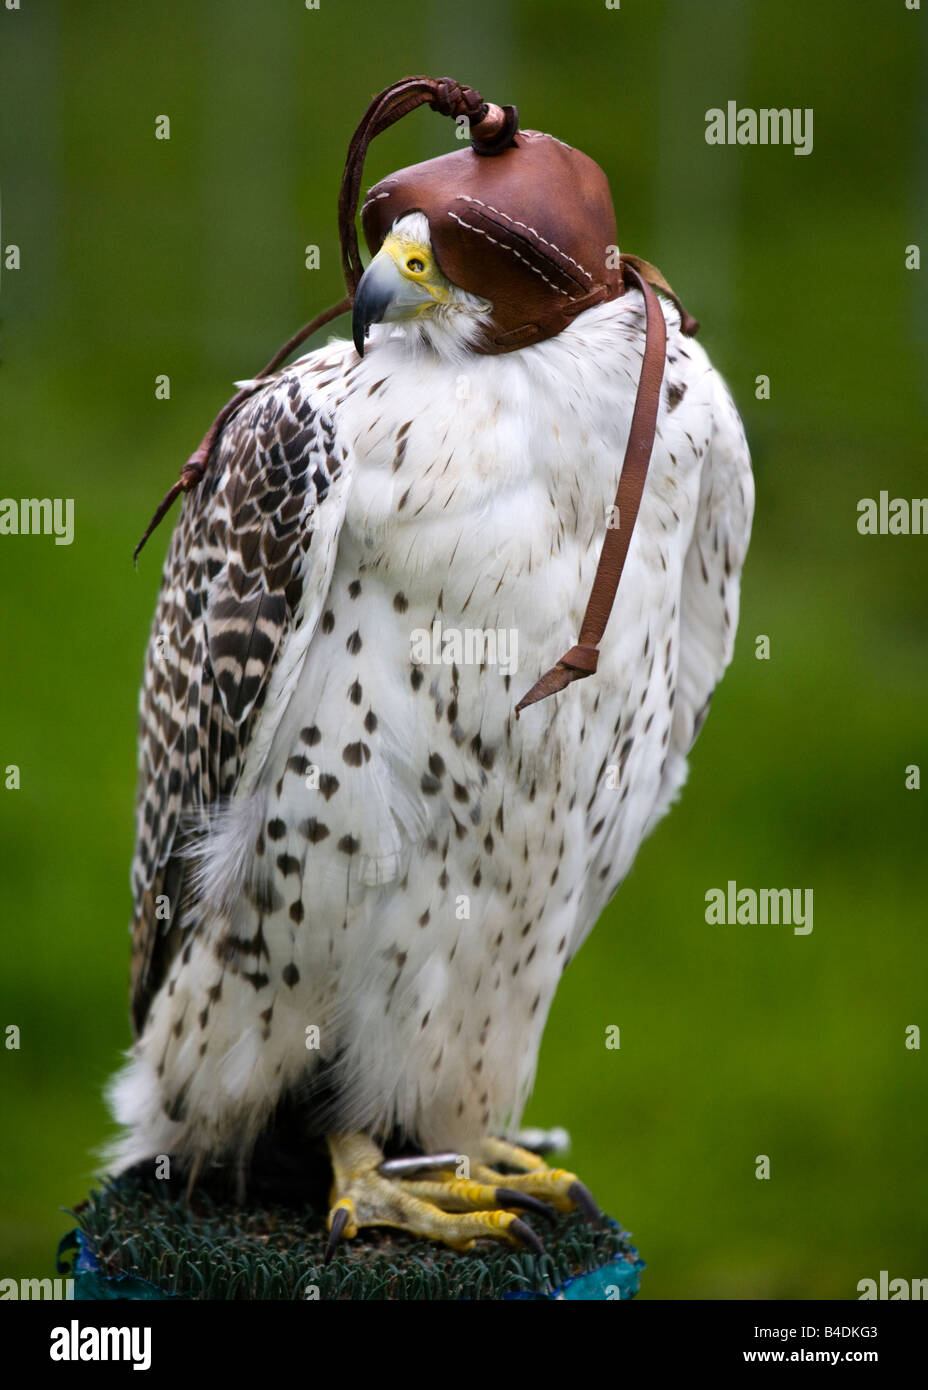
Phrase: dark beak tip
(358, 329)
(371, 300)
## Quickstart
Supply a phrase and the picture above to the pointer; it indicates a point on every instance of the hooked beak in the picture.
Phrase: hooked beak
(384, 294)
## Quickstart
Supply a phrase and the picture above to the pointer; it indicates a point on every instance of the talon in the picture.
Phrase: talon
(523, 1232)
(340, 1218)
(586, 1202)
(508, 1197)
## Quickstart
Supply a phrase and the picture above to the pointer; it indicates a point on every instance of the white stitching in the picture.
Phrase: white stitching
(471, 228)
(543, 135)
(499, 212)
(555, 139)
(373, 198)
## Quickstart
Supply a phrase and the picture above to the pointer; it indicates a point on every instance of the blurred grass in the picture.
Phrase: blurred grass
(141, 257)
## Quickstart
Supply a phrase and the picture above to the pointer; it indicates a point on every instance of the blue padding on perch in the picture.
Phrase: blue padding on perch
(618, 1280)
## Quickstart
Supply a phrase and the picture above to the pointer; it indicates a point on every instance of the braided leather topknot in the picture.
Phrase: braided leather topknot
(451, 99)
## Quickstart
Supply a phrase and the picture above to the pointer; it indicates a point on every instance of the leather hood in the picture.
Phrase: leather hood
(531, 228)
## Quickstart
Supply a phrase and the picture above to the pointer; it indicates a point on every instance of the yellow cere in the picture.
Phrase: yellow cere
(415, 260)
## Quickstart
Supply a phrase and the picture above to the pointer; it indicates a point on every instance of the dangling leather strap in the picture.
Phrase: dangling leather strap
(198, 462)
(582, 659)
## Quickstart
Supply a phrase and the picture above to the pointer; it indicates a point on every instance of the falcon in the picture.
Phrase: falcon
(362, 866)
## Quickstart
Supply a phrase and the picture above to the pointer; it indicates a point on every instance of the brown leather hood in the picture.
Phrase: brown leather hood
(531, 228)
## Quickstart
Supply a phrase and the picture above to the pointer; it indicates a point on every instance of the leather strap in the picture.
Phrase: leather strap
(491, 128)
(198, 462)
(582, 659)
(688, 325)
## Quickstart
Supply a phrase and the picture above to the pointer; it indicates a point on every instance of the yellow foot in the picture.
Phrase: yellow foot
(430, 1197)
(563, 1190)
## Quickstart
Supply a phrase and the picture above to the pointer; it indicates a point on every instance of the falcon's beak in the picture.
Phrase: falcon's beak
(384, 293)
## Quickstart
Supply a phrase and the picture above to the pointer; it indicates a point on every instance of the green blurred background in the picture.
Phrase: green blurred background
(186, 257)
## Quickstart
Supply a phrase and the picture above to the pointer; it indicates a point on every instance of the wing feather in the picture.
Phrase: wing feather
(712, 570)
(241, 575)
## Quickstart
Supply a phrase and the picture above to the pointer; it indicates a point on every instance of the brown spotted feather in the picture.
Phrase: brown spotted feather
(231, 590)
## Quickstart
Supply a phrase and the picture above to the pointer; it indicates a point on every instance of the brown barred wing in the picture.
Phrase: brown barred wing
(250, 562)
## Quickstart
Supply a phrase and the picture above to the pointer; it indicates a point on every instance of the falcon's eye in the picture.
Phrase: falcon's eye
(415, 265)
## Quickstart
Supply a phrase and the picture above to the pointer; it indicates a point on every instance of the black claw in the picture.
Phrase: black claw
(522, 1231)
(508, 1197)
(339, 1222)
(583, 1198)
